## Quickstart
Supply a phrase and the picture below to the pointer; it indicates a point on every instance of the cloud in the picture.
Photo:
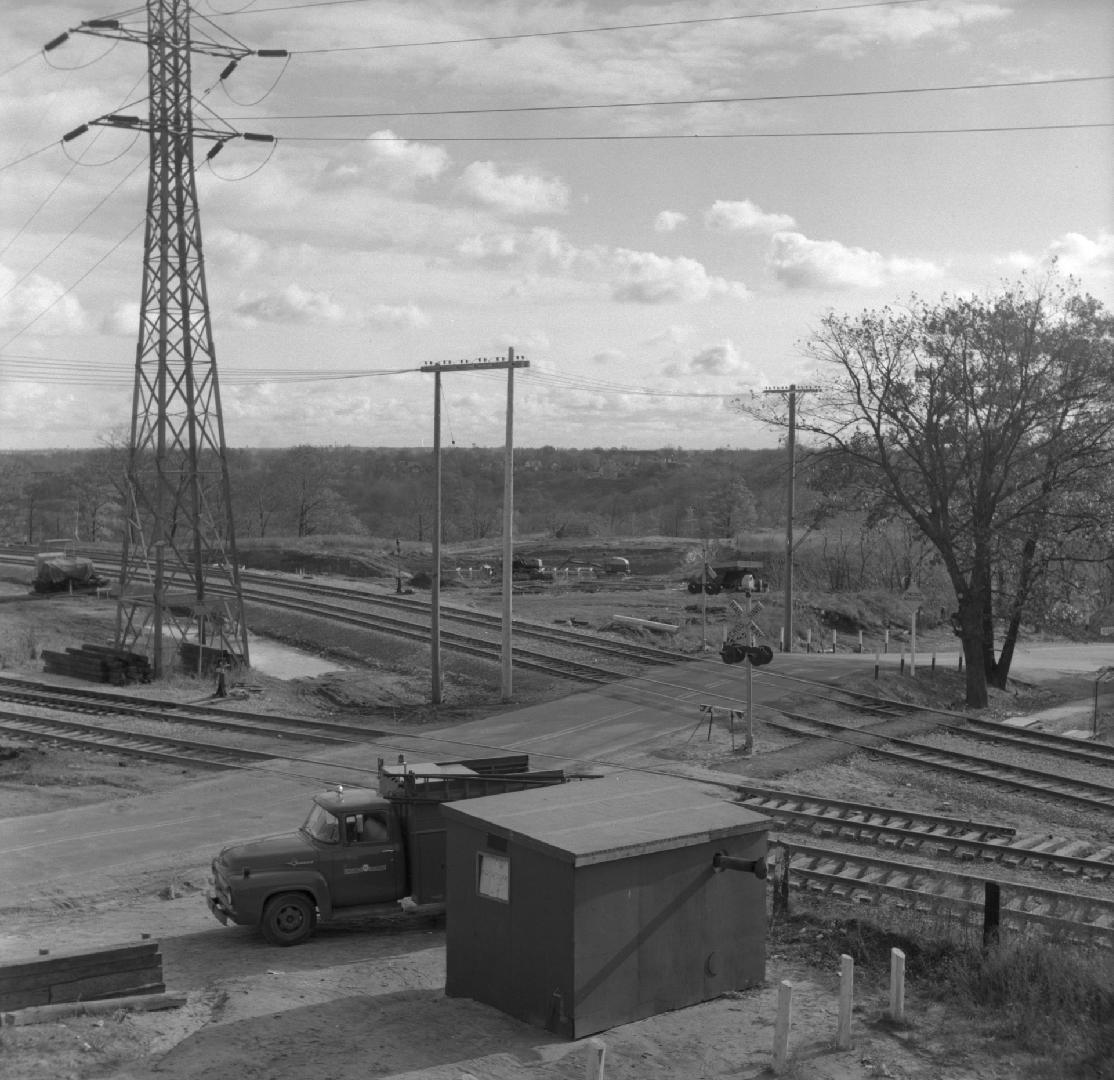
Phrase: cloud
(396, 315)
(669, 221)
(514, 193)
(539, 247)
(292, 304)
(715, 361)
(388, 160)
(855, 31)
(801, 263)
(1079, 255)
(39, 304)
(646, 278)
(745, 217)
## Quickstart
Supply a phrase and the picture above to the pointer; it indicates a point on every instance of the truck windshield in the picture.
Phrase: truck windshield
(321, 825)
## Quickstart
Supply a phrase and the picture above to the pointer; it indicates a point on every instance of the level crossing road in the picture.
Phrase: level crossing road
(96, 849)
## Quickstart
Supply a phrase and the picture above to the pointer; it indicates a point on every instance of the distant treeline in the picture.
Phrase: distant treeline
(305, 491)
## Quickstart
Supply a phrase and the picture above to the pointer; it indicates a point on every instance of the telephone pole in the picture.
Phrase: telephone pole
(791, 393)
(179, 571)
(508, 517)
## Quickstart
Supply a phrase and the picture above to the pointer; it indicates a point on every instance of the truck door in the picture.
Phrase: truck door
(366, 866)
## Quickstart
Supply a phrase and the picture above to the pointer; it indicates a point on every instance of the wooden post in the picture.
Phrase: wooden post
(991, 913)
(781, 1027)
(877, 663)
(846, 994)
(508, 536)
(860, 643)
(435, 590)
(808, 640)
(886, 641)
(897, 985)
(833, 641)
(597, 1051)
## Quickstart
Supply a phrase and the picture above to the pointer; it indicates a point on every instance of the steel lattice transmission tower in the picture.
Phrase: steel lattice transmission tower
(179, 574)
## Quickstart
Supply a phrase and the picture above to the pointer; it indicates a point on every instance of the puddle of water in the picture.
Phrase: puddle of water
(283, 662)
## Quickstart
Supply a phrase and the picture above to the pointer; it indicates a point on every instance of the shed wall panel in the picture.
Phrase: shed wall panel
(515, 956)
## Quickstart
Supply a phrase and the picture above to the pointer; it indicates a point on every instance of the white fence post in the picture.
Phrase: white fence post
(597, 1051)
(781, 1027)
(897, 985)
(846, 993)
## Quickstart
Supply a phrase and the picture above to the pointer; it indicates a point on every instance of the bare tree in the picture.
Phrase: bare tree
(988, 422)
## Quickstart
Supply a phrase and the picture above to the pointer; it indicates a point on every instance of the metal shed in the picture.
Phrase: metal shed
(587, 905)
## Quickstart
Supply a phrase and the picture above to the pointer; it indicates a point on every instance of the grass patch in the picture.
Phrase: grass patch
(1053, 1000)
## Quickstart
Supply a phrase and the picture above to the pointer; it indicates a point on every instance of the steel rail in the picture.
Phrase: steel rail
(1017, 777)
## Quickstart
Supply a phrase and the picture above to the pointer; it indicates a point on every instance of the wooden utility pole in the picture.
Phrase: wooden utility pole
(791, 392)
(508, 515)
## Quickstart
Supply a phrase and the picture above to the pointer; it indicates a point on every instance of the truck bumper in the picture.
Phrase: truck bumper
(216, 909)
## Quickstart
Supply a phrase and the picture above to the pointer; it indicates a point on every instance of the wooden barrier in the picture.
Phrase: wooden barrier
(93, 975)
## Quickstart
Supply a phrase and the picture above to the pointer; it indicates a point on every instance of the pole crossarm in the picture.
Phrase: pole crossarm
(473, 365)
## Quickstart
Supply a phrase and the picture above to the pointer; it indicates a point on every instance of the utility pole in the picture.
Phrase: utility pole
(179, 567)
(508, 516)
(791, 392)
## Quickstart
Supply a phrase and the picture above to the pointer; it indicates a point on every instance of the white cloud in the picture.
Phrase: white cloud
(1079, 255)
(397, 315)
(539, 247)
(293, 304)
(801, 263)
(715, 361)
(745, 217)
(646, 278)
(669, 221)
(855, 31)
(514, 193)
(386, 160)
(40, 304)
(123, 319)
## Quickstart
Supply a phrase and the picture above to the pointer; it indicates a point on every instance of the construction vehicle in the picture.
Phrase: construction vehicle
(62, 570)
(361, 851)
(726, 577)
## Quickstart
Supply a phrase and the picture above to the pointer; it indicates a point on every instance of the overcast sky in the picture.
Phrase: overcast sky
(634, 266)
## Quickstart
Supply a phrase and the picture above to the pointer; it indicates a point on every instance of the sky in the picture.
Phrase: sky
(653, 203)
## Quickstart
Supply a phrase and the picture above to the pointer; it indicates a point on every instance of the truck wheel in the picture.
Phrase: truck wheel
(288, 919)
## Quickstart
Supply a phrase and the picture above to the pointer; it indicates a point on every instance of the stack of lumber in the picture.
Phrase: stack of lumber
(91, 975)
(98, 663)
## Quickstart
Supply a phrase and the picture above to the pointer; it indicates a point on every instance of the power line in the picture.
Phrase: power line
(691, 136)
(577, 30)
(688, 101)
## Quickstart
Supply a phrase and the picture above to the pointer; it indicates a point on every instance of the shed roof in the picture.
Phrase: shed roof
(615, 817)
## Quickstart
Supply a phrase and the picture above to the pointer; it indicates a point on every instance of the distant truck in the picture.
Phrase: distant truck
(726, 577)
(360, 851)
(527, 568)
(63, 571)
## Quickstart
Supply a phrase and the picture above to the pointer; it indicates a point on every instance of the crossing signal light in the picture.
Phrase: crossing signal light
(756, 654)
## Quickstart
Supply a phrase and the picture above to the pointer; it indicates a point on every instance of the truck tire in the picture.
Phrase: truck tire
(288, 919)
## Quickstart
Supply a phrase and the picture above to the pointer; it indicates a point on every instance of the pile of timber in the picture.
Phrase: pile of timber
(110, 972)
(99, 663)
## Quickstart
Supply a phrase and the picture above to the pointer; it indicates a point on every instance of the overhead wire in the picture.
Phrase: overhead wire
(734, 100)
(705, 135)
(657, 25)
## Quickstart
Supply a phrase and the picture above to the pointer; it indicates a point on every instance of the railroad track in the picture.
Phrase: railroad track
(95, 737)
(482, 620)
(974, 767)
(105, 703)
(910, 831)
(869, 879)
(993, 731)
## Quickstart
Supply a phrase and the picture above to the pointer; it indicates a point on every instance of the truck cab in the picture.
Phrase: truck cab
(348, 853)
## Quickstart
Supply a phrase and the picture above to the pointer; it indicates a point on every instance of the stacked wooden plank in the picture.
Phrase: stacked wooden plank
(93, 975)
(98, 663)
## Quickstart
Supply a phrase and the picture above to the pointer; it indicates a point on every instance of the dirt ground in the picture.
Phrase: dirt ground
(366, 1000)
